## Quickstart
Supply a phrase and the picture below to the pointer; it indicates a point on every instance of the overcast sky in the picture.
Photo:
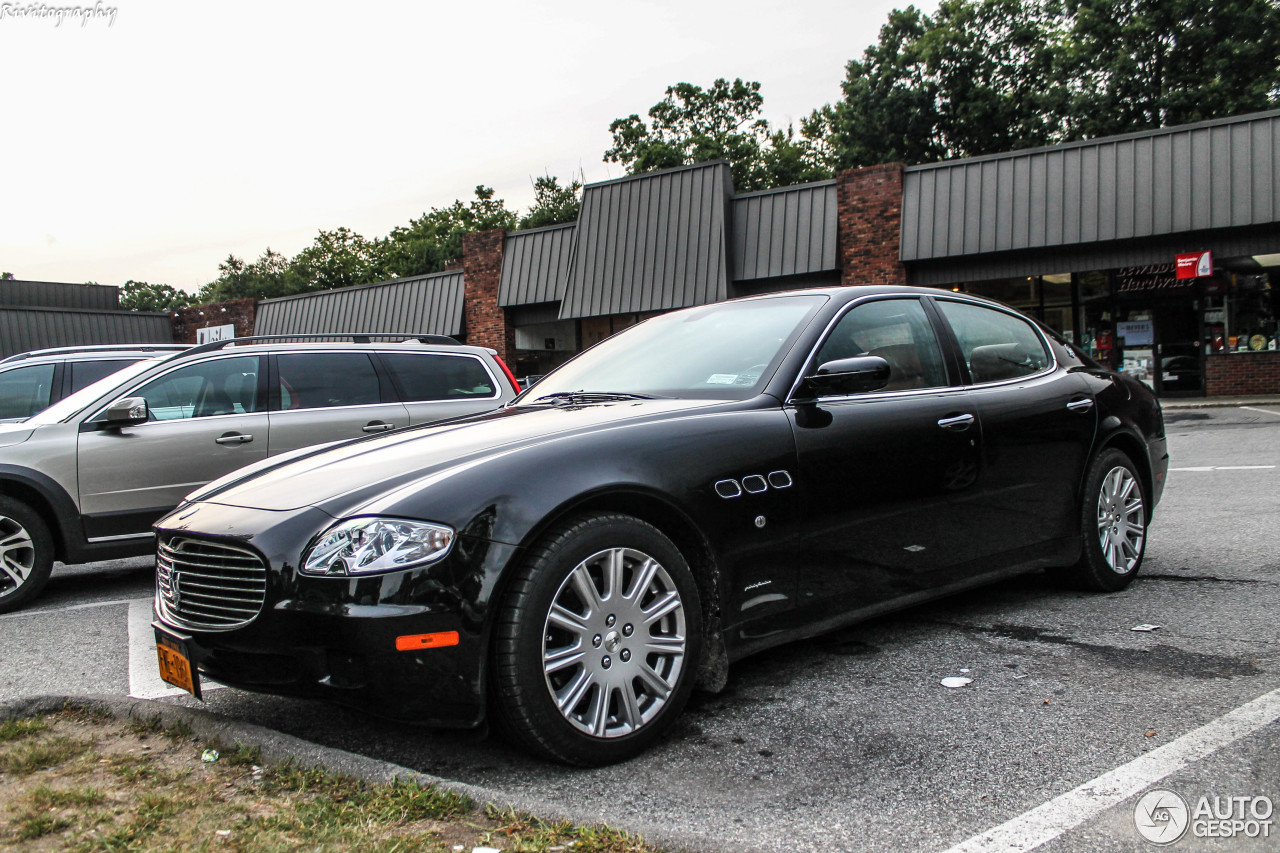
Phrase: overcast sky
(151, 147)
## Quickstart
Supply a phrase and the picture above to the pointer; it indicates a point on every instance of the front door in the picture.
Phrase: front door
(207, 419)
(1179, 358)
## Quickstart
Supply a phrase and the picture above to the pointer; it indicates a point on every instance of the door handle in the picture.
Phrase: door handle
(957, 423)
(377, 426)
(1082, 405)
(233, 438)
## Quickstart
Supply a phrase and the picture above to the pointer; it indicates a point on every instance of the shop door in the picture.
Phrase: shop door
(1179, 356)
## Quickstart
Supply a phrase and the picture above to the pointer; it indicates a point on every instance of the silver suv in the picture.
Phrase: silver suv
(84, 479)
(32, 381)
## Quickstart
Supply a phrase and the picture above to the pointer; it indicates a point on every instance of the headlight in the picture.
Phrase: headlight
(360, 546)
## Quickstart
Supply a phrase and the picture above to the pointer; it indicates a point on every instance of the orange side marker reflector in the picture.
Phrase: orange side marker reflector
(410, 642)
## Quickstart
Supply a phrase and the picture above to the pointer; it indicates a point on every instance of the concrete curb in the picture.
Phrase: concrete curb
(278, 748)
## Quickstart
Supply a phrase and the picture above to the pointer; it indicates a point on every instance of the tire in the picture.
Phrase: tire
(26, 554)
(1113, 525)
(571, 680)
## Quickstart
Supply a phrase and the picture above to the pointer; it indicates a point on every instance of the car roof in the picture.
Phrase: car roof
(91, 353)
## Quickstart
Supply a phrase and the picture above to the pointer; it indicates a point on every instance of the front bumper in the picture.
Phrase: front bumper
(335, 638)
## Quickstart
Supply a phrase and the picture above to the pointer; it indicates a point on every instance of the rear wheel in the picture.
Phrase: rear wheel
(1113, 525)
(596, 642)
(26, 554)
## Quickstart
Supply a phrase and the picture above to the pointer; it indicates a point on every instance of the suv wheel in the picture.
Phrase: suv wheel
(26, 554)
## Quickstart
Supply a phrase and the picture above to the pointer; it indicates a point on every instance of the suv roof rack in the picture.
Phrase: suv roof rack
(38, 353)
(354, 337)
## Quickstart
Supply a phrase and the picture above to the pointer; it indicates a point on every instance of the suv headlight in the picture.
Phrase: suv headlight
(360, 546)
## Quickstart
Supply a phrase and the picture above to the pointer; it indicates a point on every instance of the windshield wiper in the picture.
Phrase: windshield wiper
(581, 397)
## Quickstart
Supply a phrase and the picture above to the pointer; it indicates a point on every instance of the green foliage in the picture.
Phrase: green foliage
(17, 729)
(141, 296)
(427, 243)
(552, 203)
(6, 276)
(984, 76)
(694, 125)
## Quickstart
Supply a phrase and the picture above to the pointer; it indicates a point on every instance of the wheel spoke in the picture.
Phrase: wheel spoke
(586, 589)
(558, 659)
(613, 575)
(664, 646)
(566, 620)
(15, 540)
(662, 607)
(17, 574)
(569, 697)
(643, 578)
(629, 708)
(655, 683)
(598, 713)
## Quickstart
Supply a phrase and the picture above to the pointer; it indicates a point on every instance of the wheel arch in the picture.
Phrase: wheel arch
(1136, 449)
(47, 499)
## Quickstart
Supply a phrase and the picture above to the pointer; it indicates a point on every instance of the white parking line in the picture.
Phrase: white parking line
(1264, 411)
(144, 670)
(71, 607)
(1226, 468)
(1050, 820)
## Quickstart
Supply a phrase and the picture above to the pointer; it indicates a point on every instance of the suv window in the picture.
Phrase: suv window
(225, 386)
(321, 380)
(25, 390)
(995, 345)
(896, 330)
(438, 377)
(85, 373)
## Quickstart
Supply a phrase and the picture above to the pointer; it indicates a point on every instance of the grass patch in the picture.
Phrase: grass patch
(88, 783)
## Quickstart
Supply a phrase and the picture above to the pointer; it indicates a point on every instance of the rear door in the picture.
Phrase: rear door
(1038, 423)
(436, 385)
(207, 419)
(318, 397)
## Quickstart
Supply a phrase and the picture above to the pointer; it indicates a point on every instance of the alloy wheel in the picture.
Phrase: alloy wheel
(614, 642)
(1121, 520)
(17, 554)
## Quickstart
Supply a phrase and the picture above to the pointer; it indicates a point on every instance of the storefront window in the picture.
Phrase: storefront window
(1252, 314)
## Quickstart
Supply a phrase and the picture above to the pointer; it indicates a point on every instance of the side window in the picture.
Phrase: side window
(439, 377)
(25, 390)
(225, 386)
(322, 380)
(898, 331)
(85, 373)
(995, 345)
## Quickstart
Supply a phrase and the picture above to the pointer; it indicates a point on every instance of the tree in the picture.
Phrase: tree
(984, 76)
(435, 238)
(694, 125)
(268, 277)
(552, 203)
(338, 258)
(142, 296)
(6, 276)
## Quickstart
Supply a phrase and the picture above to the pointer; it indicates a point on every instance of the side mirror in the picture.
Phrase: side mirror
(848, 376)
(128, 411)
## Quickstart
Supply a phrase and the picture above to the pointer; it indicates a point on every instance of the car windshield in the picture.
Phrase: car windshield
(725, 351)
(68, 406)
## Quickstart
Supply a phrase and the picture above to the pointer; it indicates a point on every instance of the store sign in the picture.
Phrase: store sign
(1138, 333)
(1148, 278)
(1195, 264)
(215, 333)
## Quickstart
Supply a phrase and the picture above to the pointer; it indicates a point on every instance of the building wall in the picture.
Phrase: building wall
(240, 312)
(870, 222)
(485, 322)
(1242, 373)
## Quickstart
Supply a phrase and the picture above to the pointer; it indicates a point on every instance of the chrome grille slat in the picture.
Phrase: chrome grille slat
(219, 585)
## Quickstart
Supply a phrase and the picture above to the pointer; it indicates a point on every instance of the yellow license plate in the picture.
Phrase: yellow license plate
(175, 666)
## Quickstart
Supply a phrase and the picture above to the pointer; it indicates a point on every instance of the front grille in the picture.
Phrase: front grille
(209, 585)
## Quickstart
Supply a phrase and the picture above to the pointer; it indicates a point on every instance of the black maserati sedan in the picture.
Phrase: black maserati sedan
(704, 485)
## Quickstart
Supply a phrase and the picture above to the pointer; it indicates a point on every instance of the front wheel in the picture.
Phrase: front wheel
(26, 554)
(597, 641)
(1113, 525)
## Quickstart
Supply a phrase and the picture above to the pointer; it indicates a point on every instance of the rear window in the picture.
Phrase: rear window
(85, 373)
(322, 380)
(422, 378)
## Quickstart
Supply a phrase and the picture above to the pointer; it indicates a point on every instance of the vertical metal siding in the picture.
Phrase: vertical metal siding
(535, 265)
(430, 304)
(51, 294)
(1218, 174)
(26, 329)
(651, 242)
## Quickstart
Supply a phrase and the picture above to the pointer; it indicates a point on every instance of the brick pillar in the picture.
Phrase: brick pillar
(484, 323)
(240, 312)
(869, 201)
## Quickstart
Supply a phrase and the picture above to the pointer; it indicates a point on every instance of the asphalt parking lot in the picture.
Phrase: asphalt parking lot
(848, 742)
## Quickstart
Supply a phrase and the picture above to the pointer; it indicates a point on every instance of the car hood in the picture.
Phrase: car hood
(14, 432)
(347, 477)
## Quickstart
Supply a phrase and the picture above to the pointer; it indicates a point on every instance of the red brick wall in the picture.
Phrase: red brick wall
(870, 215)
(484, 323)
(185, 321)
(1242, 373)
